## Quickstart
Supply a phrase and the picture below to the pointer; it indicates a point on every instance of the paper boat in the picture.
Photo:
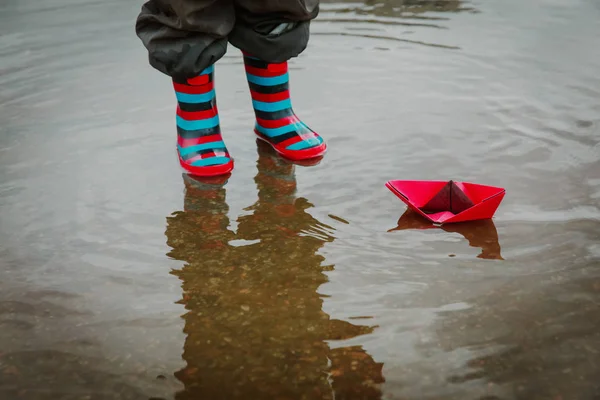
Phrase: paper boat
(444, 202)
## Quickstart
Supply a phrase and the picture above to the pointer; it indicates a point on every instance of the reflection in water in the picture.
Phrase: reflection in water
(401, 8)
(254, 324)
(381, 19)
(480, 233)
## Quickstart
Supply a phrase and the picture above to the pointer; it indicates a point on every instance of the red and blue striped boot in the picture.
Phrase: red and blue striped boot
(200, 146)
(276, 122)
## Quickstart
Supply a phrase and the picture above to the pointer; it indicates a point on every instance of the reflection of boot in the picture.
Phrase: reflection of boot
(204, 194)
(200, 146)
(276, 179)
(204, 217)
(480, 233)
(276, 122)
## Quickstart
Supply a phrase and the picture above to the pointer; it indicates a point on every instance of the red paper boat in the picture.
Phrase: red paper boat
(444, 202)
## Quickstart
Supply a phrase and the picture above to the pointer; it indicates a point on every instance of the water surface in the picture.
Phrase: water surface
(122, 278)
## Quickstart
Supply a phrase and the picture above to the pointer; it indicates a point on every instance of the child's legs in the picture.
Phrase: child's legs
(256, 19)
(183, 37)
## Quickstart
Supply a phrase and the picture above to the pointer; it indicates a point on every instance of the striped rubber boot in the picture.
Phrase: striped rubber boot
(201, 149)
(276, 122)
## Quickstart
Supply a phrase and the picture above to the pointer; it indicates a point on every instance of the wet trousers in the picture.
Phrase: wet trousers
(183, 37)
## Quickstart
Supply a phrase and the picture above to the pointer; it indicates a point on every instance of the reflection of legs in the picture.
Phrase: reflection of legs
(184, 39)
(270, 32)
(287, 264)
(284, 272)
(200, 237)
(355, 374)
(254, 325)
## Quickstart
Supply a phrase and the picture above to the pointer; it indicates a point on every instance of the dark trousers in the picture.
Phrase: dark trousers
(183, 37)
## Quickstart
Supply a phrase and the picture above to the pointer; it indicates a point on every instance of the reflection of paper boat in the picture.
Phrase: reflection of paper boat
(444, 202)
(482, 234)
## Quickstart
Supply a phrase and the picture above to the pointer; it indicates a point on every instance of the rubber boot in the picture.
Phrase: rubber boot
(276, 122)
(200, 146)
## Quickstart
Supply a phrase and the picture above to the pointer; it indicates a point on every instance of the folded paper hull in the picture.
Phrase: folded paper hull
(444, 202)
